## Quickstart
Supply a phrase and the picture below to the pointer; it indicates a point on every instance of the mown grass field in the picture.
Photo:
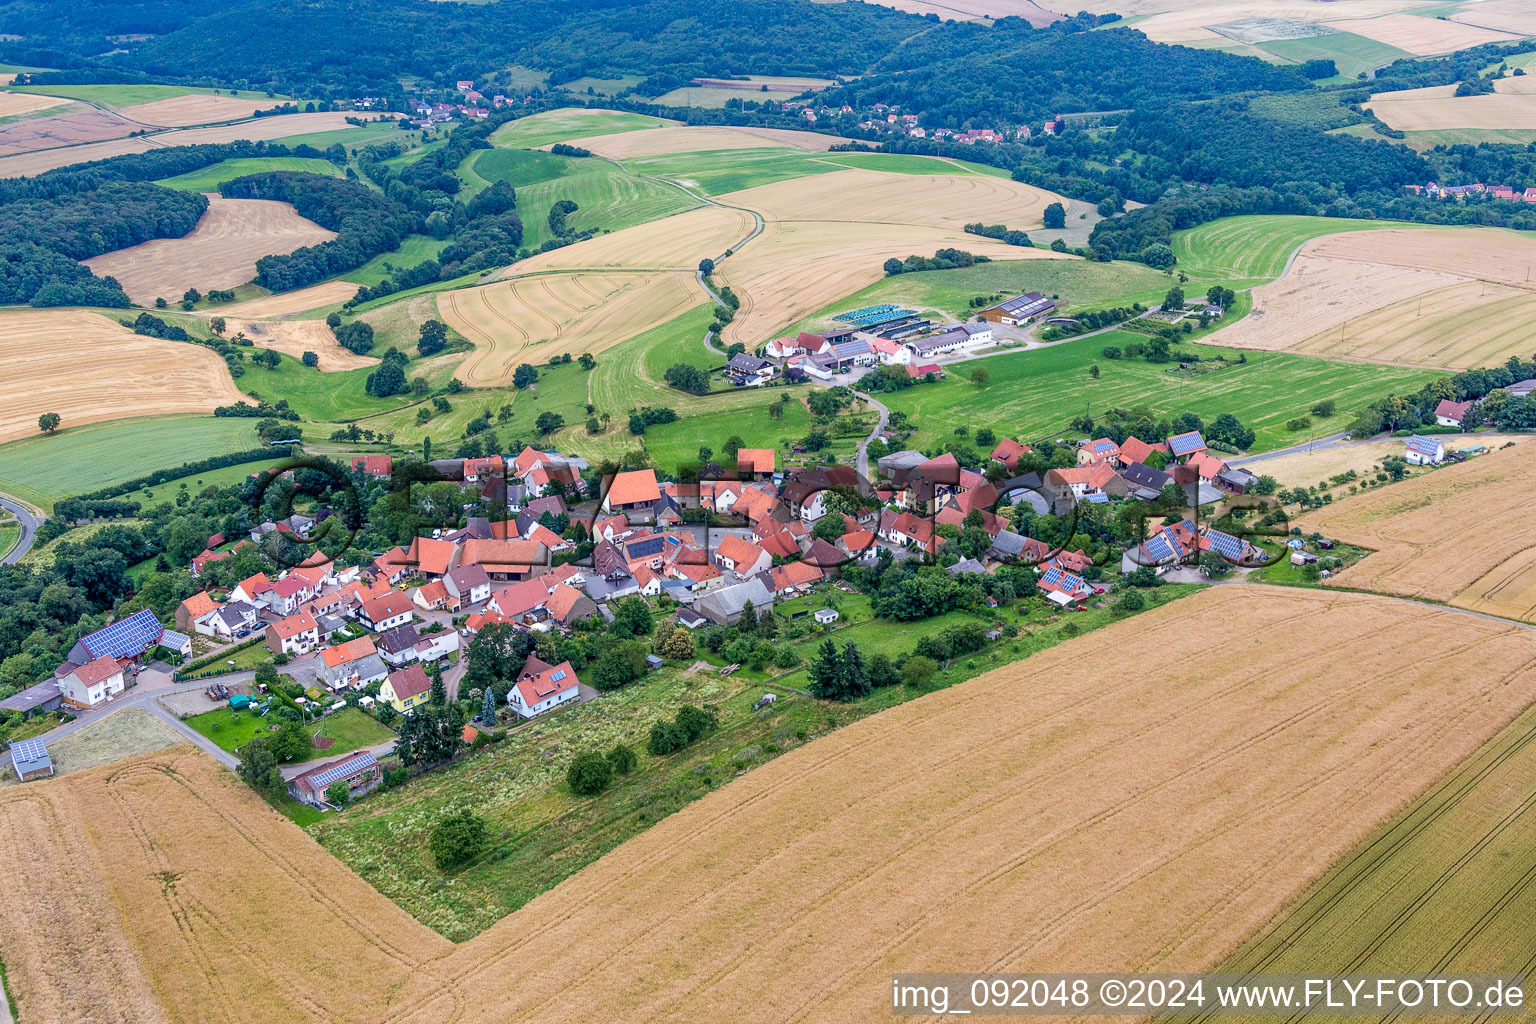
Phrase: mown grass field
(1446, 886)
(132, 95)
(1350, 53)
(228, 476)
(351, 728)
(1035, 394)
(1242, 252)
(516, 167)
(352, 136)
(44, 469)
(568, 124)
(720, 171)
(208, 179)
(322, 397)
(607, 198)
(413, 249)
(519, 785)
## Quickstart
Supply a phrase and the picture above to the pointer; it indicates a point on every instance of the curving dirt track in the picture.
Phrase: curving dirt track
(1059, 812)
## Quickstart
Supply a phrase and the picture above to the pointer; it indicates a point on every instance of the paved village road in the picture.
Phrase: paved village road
(29, 524)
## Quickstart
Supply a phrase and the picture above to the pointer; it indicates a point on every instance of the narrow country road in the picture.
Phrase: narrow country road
(29, 524)
(885, 418)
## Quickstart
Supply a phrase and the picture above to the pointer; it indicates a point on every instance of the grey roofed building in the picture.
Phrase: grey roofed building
(1139, 474)
(1022, 306)
(743, 362)
(398, 640)
(1202, 494)
(725, 606)
(43, 696)
(691, 619)
(967, 565)
(235, 616)
(901, 462)
(1009, 543)
(329, 624)
(938, 343)
(679, 590)
(30, 759)
(1522, 388)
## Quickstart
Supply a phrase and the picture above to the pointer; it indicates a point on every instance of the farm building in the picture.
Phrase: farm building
(755, 463)
(632, 491)
(748, 371)
(725, 606)
(30, 760)
(957, 339)
(541, 687)
(1423, 451)
(1182, 446)
(359, 770)
(128, 640)
(1021, 309)
(43, 696)
(377, 466)
(853, 353)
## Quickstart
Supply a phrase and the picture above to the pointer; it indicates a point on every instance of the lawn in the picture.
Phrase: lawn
(1078, 284)
(228, 476)
(10, 533)
(317, 396)
(413, 249)
(351, 728)
(607, 198)
(208, 179)
(352, 137)
(1444, 886)
(1037, 393)
(566, 124)
(133, 95)
(44, 469)
(1242, 252)
(544, 834)
(249, 657)
(677, 444)
(729, 170)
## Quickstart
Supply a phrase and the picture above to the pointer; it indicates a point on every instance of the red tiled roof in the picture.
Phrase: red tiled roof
(540, 681)
(373, 465)
(349, 651)
(408, 682)
(1008, 451)
(199, 605)
(293, 625)
(755, 460)
(387, 607)
(93, 672)
(794, 574)
(431, 556)
(561, 601)
(738, 550)
(1136, 450)
(638, 485)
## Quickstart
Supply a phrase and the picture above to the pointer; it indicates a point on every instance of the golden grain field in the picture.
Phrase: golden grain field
(14, 103)
(1515, 16)
(971, 10)
(529, 319)
(1181, 21)
(1307, 469)
(220, 252)
(1421, 35)
(1431, 297)
(1055, 813)
(1512, 104)
(1435, 536)
(677, 242)
(194, 108)
(88, 368)
(300, 300)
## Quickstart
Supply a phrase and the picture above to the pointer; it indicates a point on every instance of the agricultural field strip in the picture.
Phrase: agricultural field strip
(1273, 750)
(1408, 526)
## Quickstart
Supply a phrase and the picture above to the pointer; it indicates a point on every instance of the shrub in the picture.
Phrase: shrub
(589, 774)
(918, 670)
(623, 760)
(457, 839)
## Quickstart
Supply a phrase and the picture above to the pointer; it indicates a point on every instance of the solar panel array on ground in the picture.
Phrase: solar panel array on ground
(875, 315)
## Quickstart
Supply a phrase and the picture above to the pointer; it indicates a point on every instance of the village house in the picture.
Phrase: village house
(387, 612)
(406, 688)
(377, 466)
(725, 606)
(746, 370)
(794, 578)
(398, 646)
(741, 556)
(905, 530)
(754, 464)
(541, 687)
(1134, 449)
(1451, 414)
(465, 586)
(1423, 451)
(196, 614)
(1091, 453)
(632, 491)
(1063, 588)
(93, 683)
(297, 634)
(359, 771)
(355, 663)
(235, 621)
(1008, 452)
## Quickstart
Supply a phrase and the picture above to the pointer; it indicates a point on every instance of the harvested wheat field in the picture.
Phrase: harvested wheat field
(702, 138)
(300, 300)
(24, 165)
(1435, 536)
(295, 337)
(15, 103)
(1421, 35)
(88, 368)
(194, 108)
(974, 10)
(1180, 21)
(529, 319)
(1512, 104)
(1306, 469)
(1482, 254)
(1515, 16)
(677, 242)
(67, 129)
(1050, 814)
(935, 200)
(220, 252)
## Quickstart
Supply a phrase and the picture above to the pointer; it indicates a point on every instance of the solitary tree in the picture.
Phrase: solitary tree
(48, 422)
(488, 707)
(981, 376)
(589, 774)
(1055, 216)
(706, 266)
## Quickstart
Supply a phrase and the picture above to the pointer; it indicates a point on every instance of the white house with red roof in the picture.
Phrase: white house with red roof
(385, 613)
(542, 687)
(91, 684)
(297, 634)
(1451, 414)
(1091, 453)
(741, 556)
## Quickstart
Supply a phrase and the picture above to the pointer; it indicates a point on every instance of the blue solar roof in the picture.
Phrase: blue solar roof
(1225, 544)
(29, 755)
(854, 314)
(1422, 445)
(351, 766)
(557, 675)
(126, 638)
(645, 548)
(851, 348)
(1161, 548)
(1184, 444)
(174, 640)
(1096, 499)
(1104, 446)
(1062, 580)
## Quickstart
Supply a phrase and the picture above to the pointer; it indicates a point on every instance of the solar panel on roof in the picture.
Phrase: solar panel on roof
(349, 767)
(126, 637)
(1183, 444)
(29, 750)
(1225, 544)
(558, 675)
(1160, 548)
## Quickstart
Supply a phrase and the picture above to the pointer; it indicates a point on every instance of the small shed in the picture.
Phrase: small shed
(239, 701)
(30, 759)
(826, 616)
(652, 663)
